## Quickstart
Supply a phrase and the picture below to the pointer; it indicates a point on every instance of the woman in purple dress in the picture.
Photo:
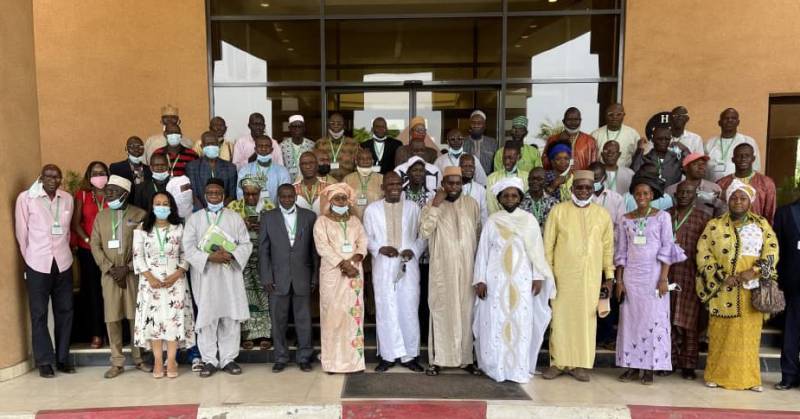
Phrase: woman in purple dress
(644, 251)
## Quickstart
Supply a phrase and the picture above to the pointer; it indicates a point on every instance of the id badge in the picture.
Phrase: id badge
(265, 194)
(798, 245)
(335, 165)
(719, 167)
(347, 248)
(162, 260)
(640, 240)
(376, 169)
(113, 244)
(361, 201)
(57, 230)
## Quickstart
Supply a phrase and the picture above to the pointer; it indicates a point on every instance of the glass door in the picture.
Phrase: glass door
(450, 108)
(360, 107)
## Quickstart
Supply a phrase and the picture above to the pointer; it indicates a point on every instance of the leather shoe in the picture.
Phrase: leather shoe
(114, 372)
(232, 368)
(384, 366)
(46, 371)
(580, 374)
(208, 370)
(413, 365)
(552, 372)
(97, 342)
(278, 367)
(305, 366)
(65, 368)
(688, 374)
(786, 385)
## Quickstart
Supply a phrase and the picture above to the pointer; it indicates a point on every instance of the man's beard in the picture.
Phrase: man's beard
(454, 197)
(510, 208)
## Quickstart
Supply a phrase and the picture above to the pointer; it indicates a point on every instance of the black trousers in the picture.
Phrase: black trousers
(279, 312)
(790, 365)
(42, 287)
(424, 310)
(91, 293)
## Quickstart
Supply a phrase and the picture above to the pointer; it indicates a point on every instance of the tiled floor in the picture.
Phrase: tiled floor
(258, 385)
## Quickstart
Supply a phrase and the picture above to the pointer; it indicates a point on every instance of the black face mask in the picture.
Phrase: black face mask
(324, 169)
(511, 208)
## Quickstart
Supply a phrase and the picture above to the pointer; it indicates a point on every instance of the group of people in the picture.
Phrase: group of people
(481, 248)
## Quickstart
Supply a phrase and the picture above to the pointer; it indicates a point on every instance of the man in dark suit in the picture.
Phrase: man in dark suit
(289, 269)
(132, 168)
(382, 147)
(787, 228)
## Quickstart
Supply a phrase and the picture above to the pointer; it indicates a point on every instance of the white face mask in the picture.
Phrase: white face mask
(364, 171)
(572, 131)
(173, 139)
(134, 159)
(456, 151)
(336, 135)
(340, 210)
(379, 138)
(581, 203)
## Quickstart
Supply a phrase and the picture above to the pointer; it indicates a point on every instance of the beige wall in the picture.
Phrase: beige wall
(709, 55)
(19, 149)
(105, 68)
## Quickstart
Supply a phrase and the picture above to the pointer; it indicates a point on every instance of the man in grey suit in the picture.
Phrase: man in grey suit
(289, 268)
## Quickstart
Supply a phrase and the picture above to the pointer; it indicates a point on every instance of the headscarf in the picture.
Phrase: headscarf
(738, 185)
(655, 183)
(251, 181)
(558, 148)
(414, 160)
(507, 182)
(519, 121)
(335, 189)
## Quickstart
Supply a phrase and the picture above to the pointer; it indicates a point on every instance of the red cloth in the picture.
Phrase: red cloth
(88, 213)
(584, 152)
(765, 202)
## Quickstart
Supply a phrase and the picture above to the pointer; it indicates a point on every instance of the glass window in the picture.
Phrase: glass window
(548, 5)
(444, 110)
(783, 146)
(437, 49)
(360, 108)
(235, 104)
(264, 7)
(362, 7)
(563, 46)
(544, 106)
(261, 51)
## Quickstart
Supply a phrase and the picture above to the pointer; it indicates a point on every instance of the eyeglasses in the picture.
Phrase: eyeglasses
(420, 129)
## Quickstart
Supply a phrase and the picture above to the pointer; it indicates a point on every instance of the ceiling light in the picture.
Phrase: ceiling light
(290, 49)
(517, 46)
(552, 1)
(277, 29)
(532, 26)
(524, 36)
(285, 41)
(264, 4)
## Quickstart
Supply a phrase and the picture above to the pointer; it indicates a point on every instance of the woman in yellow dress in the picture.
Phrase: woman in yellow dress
(734, 253)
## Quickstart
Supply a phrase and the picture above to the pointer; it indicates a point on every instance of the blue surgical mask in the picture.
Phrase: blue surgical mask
(161, 212)
(340, 210)
(160, 176)
(215, 207)
(211, 151)
(264, 159)
(173, 139)
(456, 151)
(598, 186)
(134, 159)
(117, 203)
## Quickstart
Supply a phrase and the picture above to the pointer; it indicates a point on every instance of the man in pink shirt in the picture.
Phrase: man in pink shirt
(42, 220)
(246, 147)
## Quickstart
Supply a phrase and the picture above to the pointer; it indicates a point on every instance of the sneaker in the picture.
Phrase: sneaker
(197, 365)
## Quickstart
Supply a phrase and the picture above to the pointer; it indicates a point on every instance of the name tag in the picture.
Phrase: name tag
(335, 165)
(57, 230)
(361, 202)
(113, 244)
(798, 245)
(719, 167)
(640, 240)
(162, 261)
(376, 169)
(347, 248)
(265, 194)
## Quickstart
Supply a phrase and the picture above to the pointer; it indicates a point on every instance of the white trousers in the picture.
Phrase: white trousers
(223, 334)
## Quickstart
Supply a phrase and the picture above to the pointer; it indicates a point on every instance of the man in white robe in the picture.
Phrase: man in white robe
(392, 226)
(217, 280)
(469, 165)
(451, 224)
(455, 150)
(513, 283)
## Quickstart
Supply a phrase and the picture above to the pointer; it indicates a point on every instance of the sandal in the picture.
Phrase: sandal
(472, 369)
(247, 345)
(433, 370)
(157, 373)
(172, 372)
(630, 374)
(265, 345)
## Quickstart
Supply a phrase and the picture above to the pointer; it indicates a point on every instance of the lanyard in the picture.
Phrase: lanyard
(296, 153)
(363, 183)
(343, 225)
(99, 203)
(313, 196)
(56, 222)
(725, 150)
(171, 164)
(615, 137)
(336, 152)
(538, 209)
(641, 223)
(115, 222)
(216, 221)
(292, 228)
(677, 225)
(612, 183)
(162, 243)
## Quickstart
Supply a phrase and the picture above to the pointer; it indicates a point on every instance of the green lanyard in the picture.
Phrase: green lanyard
(364, 184)
(677, 225)
(171, 164)
(723, 150)
(641, 223)
(115, 222)
(162, 243)
(293, 228)
(216, 221)
(343, 225)
(538, 209)
(99, 203)
(336, 152)
(313, 196)
(612, 183)
(56, 221)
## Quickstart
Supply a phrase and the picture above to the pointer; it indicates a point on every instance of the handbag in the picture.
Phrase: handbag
(768, 298)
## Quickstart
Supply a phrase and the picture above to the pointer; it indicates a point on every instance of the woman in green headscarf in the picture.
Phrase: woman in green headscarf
(259, 326)
(735, 253)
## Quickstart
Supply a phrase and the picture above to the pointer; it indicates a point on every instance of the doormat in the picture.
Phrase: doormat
(421, 386)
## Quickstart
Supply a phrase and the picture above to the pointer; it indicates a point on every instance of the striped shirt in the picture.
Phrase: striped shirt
(177, 161)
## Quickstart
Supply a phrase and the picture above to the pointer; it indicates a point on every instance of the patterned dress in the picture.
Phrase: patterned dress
(540, 209)
(161, 313)
(259, 325)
